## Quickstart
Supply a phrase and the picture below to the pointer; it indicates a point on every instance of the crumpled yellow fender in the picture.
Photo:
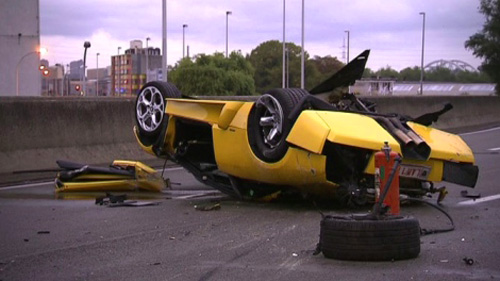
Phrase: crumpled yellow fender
(313, 128)
(145, 178)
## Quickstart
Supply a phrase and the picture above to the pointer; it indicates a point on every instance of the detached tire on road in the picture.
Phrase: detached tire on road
(150, 107)
(361, 239)
(268, 123)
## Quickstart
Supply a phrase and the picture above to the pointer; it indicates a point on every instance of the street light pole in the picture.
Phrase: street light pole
(119, 71)
(284, 46)
(348, 34)
(422, 57)
(147, 59)
(164, 40)
(287, 52)
(66, 85)
(97, 75)
(86, 45)
(302, 63)
(183, 39)
(227, 31)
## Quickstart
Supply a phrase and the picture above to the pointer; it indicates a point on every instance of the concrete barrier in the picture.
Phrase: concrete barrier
(38, 131)
(466, 112)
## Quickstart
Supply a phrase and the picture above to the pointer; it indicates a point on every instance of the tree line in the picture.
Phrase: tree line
(435, 74)
(261, 70)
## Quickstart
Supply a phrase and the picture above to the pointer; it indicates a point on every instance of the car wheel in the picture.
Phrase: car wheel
(363, 239)
(269, 124)
(150, 107)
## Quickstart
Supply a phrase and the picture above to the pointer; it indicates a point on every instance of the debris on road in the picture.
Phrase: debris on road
(468, 261)
(111, 200)
(466, 194)
(121, 175)
(213, 207)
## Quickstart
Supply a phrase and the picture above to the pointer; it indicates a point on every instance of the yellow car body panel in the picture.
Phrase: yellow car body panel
(445, 146)
(100, 185)
(240, 119)
(235, 157)
(346, 130)
(208, 111)
(145, 178)
(147, 148)
(309, 132)
(313, 128)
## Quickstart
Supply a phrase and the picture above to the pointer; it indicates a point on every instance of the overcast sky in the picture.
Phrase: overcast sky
(392, 29)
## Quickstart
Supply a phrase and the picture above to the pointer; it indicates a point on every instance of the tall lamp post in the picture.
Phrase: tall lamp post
(40, 51)
(119, 71)
(66, 84)
(422, 57)
(147, 59)
(97, 75)
(348, 34)
(183, 39)
(302, 62)
(86, 45)
(227, 31)
(164, 41)
(284, 47)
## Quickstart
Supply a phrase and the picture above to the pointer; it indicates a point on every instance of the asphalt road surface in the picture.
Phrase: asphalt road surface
(47, 238)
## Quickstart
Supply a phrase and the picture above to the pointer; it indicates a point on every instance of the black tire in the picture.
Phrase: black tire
(151, 119)
(362, 239)
(265, 147)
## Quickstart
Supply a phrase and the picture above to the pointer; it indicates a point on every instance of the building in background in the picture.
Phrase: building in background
(76, 70)
(101, 76)
(20, 48)
(53, 79)
(129, 71)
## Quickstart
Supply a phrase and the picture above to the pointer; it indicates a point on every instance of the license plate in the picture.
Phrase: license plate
(414, 171)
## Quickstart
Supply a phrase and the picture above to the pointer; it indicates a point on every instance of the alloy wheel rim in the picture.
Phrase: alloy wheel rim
(150, 109)
(271, 121)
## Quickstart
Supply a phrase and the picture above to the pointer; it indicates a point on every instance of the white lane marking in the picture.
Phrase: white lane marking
(480, 200)
(494, 149)
(479, 132)
(170, 169)
(28, 185)
(25, 185)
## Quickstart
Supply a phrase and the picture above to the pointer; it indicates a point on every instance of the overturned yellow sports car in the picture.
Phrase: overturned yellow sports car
(290, 140)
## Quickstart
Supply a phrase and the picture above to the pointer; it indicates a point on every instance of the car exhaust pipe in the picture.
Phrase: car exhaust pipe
(417, 139)
(400, 134)
(412, 145)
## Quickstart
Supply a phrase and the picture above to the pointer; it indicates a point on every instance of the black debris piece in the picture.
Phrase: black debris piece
(466, 194)
(468, 261)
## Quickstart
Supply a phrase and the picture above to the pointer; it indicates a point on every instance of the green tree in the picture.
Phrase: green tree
(443, 74)
(410, 74)
(214, 75)
(387, 72)
(472, 77)
(267, 60)
(319, 69)
(440, 74)
(485, 44)
(368, 73)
